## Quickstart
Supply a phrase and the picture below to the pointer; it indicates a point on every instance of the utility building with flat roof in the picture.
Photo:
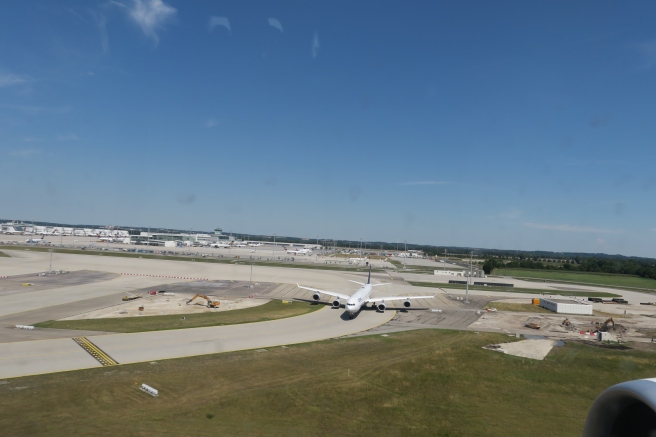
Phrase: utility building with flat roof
(566, 306)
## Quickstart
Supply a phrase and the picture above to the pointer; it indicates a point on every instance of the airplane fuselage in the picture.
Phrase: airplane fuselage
(358, 299)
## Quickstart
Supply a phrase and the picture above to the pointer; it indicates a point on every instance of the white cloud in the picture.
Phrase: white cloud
(30, 140)
(211, 123)
(7, 80)
(101, 22)
(34, 110)
(67, 137)
(425, 183)
(151, 15)
(569, 228)
(512, 213)
(315, 45)
(647, 50)
(275, 23)
(220, 21)
(25, 153)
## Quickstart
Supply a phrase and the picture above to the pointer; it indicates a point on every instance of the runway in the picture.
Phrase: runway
(47, 356)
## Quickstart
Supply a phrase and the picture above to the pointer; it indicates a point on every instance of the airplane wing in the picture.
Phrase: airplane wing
(329, 293)
(387, 299)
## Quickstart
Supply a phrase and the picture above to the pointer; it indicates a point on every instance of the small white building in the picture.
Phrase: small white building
(475, 273)
(450, 272)
(566, 306)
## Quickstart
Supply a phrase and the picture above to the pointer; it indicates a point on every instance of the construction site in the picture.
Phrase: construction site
(160, 304)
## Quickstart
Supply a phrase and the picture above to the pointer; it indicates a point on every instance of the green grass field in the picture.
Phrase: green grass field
(581, 278)
(3, 254)
(417, 383)
(516, 290)
(269, 311)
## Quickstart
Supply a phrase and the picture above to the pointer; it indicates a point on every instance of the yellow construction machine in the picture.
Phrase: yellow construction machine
(607, 325)
(210, 303)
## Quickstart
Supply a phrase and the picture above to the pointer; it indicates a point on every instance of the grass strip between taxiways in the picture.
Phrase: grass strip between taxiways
(269, 311)
(581, 278)
(515, 290)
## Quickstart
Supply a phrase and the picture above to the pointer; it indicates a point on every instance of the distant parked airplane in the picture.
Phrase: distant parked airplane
(297, 251)
(35, 241)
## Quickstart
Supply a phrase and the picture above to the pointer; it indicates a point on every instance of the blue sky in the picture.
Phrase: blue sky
(512, 124)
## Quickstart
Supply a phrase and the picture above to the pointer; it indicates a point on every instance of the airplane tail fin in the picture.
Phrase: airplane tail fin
(369, 278)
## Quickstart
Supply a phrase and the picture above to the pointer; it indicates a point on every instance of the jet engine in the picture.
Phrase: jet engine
(381, 306)
(406, 303)
(336, 303)
(628, 408)
(316, 296)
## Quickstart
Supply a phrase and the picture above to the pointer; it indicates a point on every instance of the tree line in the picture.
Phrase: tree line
(635, 267)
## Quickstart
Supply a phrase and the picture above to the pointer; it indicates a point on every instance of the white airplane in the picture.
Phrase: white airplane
(35, 241)
(362, 297)
(238, 245)
(297, 251)
(220, 244)
(105, 240)
(255, 244)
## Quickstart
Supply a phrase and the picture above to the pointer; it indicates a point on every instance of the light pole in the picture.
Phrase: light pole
(471, 254)
(50, 270)
(273, 250)
(468, 279)
(405, 254)
(148, 244)
(360, 246)
(444, 260)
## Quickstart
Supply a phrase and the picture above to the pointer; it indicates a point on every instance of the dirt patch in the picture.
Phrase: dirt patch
(647, 347)
(647, 332)
(162, 305)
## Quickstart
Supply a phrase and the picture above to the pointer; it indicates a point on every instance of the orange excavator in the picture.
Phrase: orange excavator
(607, 325)
(210, 303)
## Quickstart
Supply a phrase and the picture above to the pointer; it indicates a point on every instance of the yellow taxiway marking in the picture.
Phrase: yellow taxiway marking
(95, 351)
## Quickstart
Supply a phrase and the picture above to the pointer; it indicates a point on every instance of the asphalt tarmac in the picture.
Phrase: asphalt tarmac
(47, 356)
